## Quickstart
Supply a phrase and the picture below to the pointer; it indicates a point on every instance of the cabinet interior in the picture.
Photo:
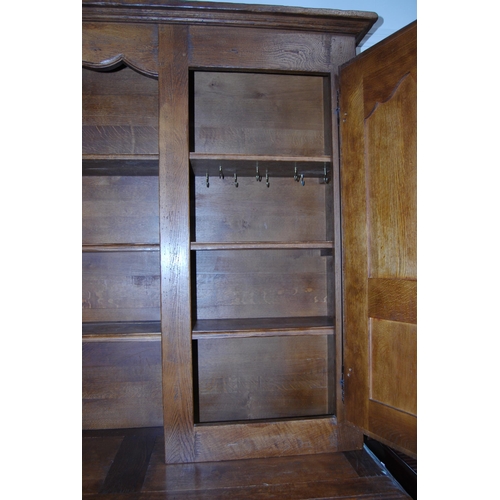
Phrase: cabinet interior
(261, 246)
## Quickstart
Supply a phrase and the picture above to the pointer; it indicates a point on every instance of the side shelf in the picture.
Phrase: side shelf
(121, 333)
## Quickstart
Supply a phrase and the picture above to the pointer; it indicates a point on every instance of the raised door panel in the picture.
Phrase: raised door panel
(379, 174)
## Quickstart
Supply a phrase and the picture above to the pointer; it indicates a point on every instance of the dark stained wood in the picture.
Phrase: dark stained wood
(244, 276)
(127, 473)
(121, 286)
(174, 242)
(258, 114)
(246, 165)
(120, 165)
(119, 113)
(121, 384)
(315, 325)
(108, 45)
(258, 378)
(120, 209)
(260, 284)
(284, 212)
(328, 475)
(354, 23)
(266, 50)
(379, 227)
(97, 457)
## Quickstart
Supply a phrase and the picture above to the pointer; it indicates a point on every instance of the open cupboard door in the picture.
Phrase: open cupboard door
(378, 188)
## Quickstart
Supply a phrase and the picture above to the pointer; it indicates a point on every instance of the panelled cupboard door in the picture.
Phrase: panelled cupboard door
(378, 185)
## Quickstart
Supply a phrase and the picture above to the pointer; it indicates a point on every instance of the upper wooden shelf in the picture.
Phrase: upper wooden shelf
(246, 165)
(146, 164)
(262, 327)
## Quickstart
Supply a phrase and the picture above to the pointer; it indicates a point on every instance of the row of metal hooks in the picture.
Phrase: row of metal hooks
(258, 177)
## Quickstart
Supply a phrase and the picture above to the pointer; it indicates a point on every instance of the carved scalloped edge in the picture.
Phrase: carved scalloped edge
(115, 62)
(391, 95)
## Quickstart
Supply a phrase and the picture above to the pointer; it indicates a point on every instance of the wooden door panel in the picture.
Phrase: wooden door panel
(379, 174)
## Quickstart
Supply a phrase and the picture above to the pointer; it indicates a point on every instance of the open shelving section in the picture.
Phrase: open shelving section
(121, 329)
(261, 246)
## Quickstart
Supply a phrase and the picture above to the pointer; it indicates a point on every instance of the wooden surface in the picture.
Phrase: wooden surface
(353, 23)
(130, 465)
(379, 171)
(258, 378)
(121, 384)
(107, 46)
(119, 113)
(259, 114)
(174, 242)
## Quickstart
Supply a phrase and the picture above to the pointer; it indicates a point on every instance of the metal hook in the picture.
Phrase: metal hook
(326, 175)
(267, 179)
(221, 175)
(302, 181)
(295, 175)
(208, 183)
(235, 180)
(258, 177)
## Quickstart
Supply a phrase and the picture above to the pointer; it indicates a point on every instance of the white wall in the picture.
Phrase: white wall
(393, 14)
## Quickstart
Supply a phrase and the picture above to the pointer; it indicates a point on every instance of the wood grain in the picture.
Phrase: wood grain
(393, 360)
(390, 135)
(248, 113)
(120, 286)
(262, 49)
(354, 23)
(121, 384)
(379, 230)
(286, 211)
(119, 113)
(257, 378)
(174, 243)
(394, 300)
(261, 283)
(108, 45)
(120, 210)
(265, 439)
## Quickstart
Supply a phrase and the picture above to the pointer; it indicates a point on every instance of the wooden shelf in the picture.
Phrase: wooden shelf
(121, 331)
(263, 245)
(262, 327)
(147, 165)
(245, 165)
(122, 247)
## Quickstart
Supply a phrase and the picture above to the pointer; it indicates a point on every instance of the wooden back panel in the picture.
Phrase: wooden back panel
(120, 112)
(121, 384)
(261, 284)
(285, 211)
(257, 378)
(248, 113)
(120, 209)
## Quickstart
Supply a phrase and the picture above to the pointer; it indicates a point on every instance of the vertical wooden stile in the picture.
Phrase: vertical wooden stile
(175, 244)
